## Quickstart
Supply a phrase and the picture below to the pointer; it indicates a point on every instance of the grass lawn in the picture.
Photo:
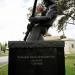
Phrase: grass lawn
(3, 69)
(69, 66)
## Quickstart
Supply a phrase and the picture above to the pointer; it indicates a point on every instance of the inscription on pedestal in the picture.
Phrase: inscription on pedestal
(35, 60)
(38, 59)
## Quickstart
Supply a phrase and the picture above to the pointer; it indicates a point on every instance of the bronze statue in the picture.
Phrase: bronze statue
(40, 24)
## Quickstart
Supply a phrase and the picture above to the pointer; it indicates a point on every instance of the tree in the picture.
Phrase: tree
(0, 48)
(66, 9)
(4, 47)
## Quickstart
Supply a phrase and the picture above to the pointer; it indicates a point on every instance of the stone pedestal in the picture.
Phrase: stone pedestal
(36, 58)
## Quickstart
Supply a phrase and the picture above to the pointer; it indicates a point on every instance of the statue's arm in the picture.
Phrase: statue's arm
(50, 14)
(39, 19)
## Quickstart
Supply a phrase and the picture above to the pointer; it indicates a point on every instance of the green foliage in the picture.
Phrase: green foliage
(61, 6)
(63, 20)
(4, 46)
(65, 5)
(3, 49)
(4, 54)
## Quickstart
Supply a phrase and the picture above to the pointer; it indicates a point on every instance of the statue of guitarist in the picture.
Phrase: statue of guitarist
(40, 24)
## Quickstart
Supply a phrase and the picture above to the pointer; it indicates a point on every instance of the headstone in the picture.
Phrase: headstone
(36, 58)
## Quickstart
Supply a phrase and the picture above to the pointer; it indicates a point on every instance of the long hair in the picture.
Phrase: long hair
(48, 2)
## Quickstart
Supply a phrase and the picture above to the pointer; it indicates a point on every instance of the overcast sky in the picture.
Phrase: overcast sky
(13, 20)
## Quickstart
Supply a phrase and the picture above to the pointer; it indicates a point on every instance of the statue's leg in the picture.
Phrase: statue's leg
(35, 34)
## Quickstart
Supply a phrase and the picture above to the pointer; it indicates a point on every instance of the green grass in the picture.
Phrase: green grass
(4, 69)
(69, 66)
(4, 54)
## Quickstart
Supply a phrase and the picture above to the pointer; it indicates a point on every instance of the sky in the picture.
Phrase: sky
(13, 21)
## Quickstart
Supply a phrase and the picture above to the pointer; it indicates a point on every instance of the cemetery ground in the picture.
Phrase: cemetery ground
(69, 66)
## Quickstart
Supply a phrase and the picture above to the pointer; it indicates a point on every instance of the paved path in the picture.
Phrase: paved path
(4, 60)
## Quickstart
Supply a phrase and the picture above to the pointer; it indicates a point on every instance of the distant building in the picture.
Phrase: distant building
(69, 46)
(69, 43)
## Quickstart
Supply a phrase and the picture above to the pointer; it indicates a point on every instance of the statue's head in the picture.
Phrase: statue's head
(39, 9)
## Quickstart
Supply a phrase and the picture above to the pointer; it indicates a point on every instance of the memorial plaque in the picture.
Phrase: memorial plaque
(36, 58)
